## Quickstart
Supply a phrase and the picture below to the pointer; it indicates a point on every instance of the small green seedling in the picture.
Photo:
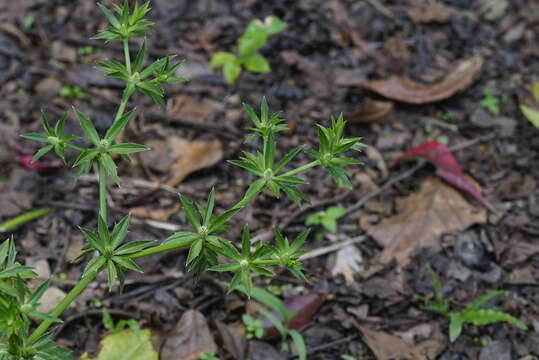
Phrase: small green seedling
(327, 218)
(86, 50)
(254, 327)
(348, 357)
(491, 102)
(208, 356)
(28, 21)
(74, 92)
(446, 116)
(281, 322)
(532, 113)
(120, 325)
(474, 313)
(255, 37)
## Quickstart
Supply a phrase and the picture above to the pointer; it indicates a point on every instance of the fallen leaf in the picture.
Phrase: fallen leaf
(156, 214)
(403, 89)
(429, 13)
(448, 168)
(304, 306)
(233, 337)
(348, 261)
(371, 111)
(386, 346)
(259, 350)
(127, 344)
(190, 338)
(190, 156)
(421, 219)
(188, 107)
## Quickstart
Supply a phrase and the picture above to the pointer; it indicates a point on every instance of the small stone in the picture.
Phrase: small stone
(48, 87)
(496, 350)
(50, 299)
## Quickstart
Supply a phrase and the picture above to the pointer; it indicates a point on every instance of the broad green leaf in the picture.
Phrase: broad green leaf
(231, 71)
(128, 344)
(272, 25)
(330, 224)
(222, 58)
(250, 42)
(256, 63)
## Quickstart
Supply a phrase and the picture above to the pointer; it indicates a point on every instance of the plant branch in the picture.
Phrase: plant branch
(102, 192)
(302, 168)
(59, 309)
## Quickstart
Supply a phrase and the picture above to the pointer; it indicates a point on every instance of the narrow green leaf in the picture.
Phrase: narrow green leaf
(120, 231)
(287, 158)
(112, 274)
(95, 265)
(245, 242)
(110, 167)
(127, 263)
(87, 127)
(59, 127)
(190, 212)
(194, 251)
(36, 137)
(127, 148)
(208, 211)
(110, 16)
(41, 152)
(299, 343)
(46, 126)
(118, 126)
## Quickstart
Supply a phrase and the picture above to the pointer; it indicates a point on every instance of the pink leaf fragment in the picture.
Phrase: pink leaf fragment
(448, 168)
(25, 161)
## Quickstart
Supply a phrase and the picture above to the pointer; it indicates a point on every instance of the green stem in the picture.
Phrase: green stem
(160, 248)
(302, 168)
(23, 219)
(74, 147)
(59, 309)
(102, 192)
(127, 57)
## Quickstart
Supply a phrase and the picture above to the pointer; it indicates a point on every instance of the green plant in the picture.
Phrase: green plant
(281, 322)
(447, 116)
(327, 218)
(74, 92)
(120, 325)
(108, 248)
(255, 37)
(348, 357)
(28, 21)
(491, 102)
(254, 327)
(208, 356)
(86, 50)
(532, 113)
(474, 313)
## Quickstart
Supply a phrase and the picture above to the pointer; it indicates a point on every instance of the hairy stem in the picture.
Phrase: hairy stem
(302, 168)
(126, 56)
(59, 309)
(102, 192)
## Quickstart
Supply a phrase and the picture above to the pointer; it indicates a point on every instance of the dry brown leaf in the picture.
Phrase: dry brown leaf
(429, 13)
(186, 106)
(190, 339)
(156, 214)
(233, 337)
(191, 156)
(422, 218)
(403, 89)
(371, 111)
(390, 347)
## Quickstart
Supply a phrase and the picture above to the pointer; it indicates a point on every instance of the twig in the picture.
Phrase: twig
(331, 248)
(224, 131)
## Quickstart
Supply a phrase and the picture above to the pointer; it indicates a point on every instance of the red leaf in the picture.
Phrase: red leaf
(303, 305)
(448, 168)
(41, 166)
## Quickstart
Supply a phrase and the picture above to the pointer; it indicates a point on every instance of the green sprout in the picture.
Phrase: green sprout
(256, 35)
(474, 313)
(491, 102)
(531, 112)
(74, 92)
(254, 327)
(327, 218)
(208, 356)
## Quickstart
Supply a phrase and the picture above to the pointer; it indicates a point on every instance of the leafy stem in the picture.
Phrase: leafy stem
(302, 168)
(127, 56)
(102, 192)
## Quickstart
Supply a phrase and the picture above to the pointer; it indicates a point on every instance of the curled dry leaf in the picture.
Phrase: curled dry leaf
(304, 306)
(190, 338)
(386, 346)
(371, 111)
(403, 89)
(233, 337)
(190, 156)
(421, 219)
(348, 261)
(448, 168)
